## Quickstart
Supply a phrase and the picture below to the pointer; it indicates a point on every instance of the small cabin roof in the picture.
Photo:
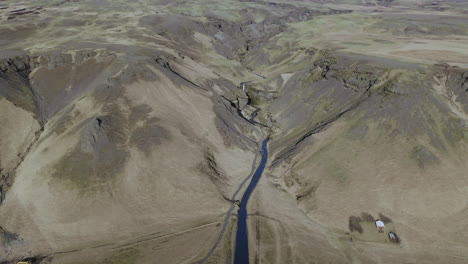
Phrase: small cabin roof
(379, 223)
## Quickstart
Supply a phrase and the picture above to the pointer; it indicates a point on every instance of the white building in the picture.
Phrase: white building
(380, 225)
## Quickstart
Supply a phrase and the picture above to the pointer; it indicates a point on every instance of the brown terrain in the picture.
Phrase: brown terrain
(125, 135)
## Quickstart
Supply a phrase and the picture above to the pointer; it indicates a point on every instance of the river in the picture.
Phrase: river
(242, 240)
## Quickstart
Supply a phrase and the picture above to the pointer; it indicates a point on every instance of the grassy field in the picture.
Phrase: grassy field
(371, 234)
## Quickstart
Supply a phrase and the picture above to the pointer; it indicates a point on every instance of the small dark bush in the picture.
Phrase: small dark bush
(367, 217)
(384, 218)
(355, 224)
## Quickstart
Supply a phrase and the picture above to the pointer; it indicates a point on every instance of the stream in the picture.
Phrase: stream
(242, 240)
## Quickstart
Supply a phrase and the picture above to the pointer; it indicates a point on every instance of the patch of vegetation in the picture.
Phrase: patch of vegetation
(124, 256)
(327, 58)
(355, 224)
(76, 169)
(314, 76)
(367, 217)
(386, 88)
(424, 156)
(148, 136)
(454, 132)
(383, 41)
(98, 158)
(355, 221)
(384, 218)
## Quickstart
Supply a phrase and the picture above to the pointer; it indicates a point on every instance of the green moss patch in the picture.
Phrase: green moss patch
(124, 256)
(363, 228)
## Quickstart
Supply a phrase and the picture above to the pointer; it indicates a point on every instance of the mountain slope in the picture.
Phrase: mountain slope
(126, 136)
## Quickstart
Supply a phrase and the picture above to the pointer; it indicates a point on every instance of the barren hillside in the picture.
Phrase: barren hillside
(132, 131)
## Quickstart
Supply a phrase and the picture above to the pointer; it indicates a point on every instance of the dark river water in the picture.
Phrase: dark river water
(242, 241)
